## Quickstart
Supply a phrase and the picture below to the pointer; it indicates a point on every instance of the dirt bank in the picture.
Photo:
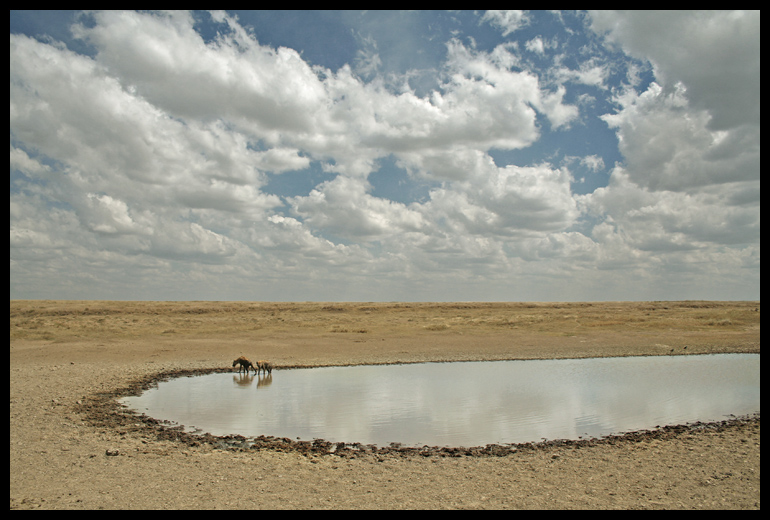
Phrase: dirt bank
(69, 448)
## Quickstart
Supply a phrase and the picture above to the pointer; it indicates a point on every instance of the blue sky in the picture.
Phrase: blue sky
(380, 156)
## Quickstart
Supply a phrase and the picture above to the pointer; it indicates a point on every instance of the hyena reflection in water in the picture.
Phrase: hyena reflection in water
(245, 364)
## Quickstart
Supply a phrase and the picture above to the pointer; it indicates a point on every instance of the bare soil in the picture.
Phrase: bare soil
(72, 447)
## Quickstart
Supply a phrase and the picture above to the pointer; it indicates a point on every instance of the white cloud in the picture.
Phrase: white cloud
(507, 21)
(110, 216)
(113, 140)
(510, 201)
(675, 220)
(714, 53)
(688, 191)
(535, 45)
(279, 160)
(486, 79)
(234, 77)
(275, 96)
(367, 62)
(151, 161)
(589, 73)
(343, 208)
(593, 162)
(24, 163)
(456, 164)
(669, 145)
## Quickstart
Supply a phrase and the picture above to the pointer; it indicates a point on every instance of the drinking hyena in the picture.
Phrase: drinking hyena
(265, 366)
(245, 364)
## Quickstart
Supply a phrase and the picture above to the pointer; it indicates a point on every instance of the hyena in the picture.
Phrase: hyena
(265, 366)
(245, 363)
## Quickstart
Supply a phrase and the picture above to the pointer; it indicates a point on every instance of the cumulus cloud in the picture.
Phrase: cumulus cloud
(507, 21)
(279, 160)
(714, 53)
(689, 186)
(593, 162)
(509, 201)
(343, 207)
(233, 77)
(536, 45)
(21, 161)
(669, 219)
(151, 159)
(669, 145)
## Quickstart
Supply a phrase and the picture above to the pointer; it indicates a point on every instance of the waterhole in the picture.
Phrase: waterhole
(462, 403)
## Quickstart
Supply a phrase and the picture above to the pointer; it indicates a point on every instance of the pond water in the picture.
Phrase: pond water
(462, 403)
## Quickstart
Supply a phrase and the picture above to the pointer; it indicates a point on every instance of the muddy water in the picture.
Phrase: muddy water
(464, 403)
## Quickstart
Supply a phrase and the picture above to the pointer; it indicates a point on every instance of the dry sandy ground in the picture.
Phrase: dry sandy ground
(65, 355)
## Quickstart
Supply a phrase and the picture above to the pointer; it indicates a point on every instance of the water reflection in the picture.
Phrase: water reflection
(247, 380)
(463, 404)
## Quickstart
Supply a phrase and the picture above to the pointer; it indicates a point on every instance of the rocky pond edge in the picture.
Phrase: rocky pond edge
(104, 410)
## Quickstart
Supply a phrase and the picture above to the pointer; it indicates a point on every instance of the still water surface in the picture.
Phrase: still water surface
(462, 403)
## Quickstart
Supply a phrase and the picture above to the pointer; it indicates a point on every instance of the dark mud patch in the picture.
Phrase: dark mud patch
(102, 410)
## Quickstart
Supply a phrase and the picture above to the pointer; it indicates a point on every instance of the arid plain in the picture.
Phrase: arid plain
(65, 355)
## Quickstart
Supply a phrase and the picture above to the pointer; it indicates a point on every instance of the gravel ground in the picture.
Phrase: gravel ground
(72, 448)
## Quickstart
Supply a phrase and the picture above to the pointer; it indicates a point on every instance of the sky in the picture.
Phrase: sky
(384, 156)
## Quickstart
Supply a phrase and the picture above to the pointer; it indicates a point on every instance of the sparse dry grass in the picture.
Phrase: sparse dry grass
(59, 460)
(69, 320)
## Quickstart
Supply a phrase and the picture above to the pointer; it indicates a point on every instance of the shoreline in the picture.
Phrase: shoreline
(106, 411)
(71, 449)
